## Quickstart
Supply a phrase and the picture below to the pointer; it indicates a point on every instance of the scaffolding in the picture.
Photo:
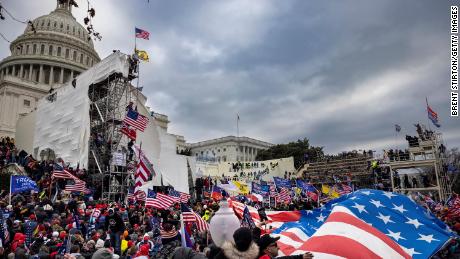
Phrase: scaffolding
(426, 152)
(107, 158)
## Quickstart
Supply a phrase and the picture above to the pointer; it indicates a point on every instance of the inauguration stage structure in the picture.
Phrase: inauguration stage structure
(81, 123)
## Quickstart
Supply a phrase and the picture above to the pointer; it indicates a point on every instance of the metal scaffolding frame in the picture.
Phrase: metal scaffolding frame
(109, 100)
(425, 154)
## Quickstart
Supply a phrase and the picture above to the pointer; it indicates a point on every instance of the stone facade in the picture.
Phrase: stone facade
(228, 148)
(57, 51)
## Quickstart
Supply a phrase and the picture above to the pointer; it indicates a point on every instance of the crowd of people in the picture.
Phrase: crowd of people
(48, 224)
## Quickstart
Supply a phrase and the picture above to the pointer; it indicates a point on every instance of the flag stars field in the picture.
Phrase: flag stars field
(377, 204)
(385, 219)
(414, 222)
(399, 208)
(395, 235)
(360, 207)
(427, 238)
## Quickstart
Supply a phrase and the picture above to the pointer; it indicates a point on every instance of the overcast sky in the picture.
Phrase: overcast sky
(340, 73)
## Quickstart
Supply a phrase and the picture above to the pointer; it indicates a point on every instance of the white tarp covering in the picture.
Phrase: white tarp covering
(63, 125)
(172, 166)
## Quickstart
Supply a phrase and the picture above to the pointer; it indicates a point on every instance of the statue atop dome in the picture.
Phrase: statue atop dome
(66, 5)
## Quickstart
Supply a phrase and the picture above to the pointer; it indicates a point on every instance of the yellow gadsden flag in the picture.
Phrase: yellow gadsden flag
(334, 194)
(242, 187)
(325, 189)
(142, 55)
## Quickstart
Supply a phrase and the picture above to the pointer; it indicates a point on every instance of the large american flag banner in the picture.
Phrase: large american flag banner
(414, 229)
(137, 121)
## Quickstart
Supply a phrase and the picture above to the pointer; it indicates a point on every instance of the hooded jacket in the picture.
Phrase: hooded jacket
(229, 251)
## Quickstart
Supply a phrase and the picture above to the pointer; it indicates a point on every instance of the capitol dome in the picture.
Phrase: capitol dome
(59, 49)
(52, 51)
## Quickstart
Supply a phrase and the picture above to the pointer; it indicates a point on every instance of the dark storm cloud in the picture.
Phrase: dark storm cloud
(339, 73)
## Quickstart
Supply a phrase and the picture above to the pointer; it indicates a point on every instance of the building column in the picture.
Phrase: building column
(14, 71)
(21, 71)
(31, 68)
(51, 75)
(71, 75)
(61, 78)
(40, 74)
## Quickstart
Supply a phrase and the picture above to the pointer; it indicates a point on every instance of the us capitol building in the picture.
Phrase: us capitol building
(57, 51)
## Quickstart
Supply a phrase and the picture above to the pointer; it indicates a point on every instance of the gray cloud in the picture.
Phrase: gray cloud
(339, 73)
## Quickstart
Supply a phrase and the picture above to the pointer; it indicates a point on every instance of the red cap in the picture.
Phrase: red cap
(32, 217)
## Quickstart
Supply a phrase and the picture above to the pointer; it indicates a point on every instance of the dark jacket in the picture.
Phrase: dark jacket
(114, 223)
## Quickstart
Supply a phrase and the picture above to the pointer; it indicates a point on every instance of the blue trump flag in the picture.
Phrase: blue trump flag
(282, 183)
(305, 186)
(21, 183)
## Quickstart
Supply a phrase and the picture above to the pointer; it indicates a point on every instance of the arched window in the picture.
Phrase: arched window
(75, 56)
(87, 61)
(43, 23)
(42, 49)
(34, 49)
(81, 58)
(62, 25)
(67, 53)
(55, 24)
(50, 52)
(59, 51)
(68, 28)
(27, 49)
(49, 23)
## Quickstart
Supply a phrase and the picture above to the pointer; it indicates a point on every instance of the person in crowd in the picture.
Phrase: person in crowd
(115, 226)
(241, 247)
(268, 249)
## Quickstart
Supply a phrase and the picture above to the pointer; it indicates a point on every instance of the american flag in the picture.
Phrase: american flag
(201, 224)
(187, 213)
(142, 175)
(159, 200)
(4, 234)
(137, 121)
(352, 237)
(183, 197)
(190, 216)
(130, 195)
(415, 230)
(140, 195)
(148, 165)
(143, 34)
(78, 186)
(275, 218)
(284, 195)
(273, 192)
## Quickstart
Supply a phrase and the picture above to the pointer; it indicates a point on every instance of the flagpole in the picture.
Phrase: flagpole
(182, 230)
(11, 179)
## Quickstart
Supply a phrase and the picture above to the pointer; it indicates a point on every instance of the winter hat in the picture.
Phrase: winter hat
(242, 238)
(55, 234)
(99, 243)
(102, 253)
